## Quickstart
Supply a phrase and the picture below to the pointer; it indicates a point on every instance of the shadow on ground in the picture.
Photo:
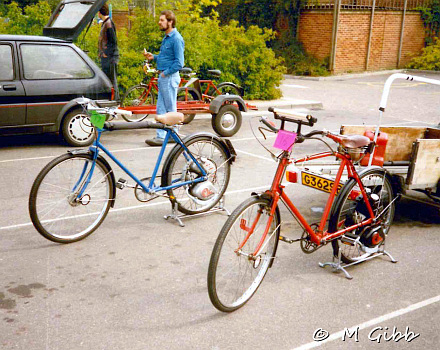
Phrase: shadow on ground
(29, 140)
(414, 213)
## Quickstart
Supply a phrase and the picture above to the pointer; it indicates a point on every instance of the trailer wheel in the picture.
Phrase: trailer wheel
(227, 121)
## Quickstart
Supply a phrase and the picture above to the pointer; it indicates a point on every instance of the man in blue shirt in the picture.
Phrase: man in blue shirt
(169, 62)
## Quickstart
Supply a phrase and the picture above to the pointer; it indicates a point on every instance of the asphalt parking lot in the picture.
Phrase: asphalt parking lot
(139, 282)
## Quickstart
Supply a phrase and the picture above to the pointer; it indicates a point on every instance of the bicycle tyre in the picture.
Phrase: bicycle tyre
(55, 214)
(211, 154)
(134, 97)
(220, 273)
(348, 209)
(226, 88)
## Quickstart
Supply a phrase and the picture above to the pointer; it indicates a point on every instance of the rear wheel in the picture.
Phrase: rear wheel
(201, 196)
(135, 96)
(234, 275)
(351, 210)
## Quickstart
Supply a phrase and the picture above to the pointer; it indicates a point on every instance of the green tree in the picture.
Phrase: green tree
(269, 14)
(431, 20)
(31, 23)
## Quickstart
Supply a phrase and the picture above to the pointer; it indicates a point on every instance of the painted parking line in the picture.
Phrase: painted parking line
(370, 323)
(115, 151)
(255, 155)
(10, 227)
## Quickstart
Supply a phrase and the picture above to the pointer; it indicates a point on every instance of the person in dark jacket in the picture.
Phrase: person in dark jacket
(108, 48)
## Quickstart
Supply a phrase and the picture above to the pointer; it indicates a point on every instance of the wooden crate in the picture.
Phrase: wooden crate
(420, 146)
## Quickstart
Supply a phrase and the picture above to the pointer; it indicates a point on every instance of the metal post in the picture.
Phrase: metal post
(401, 34)
(336, 11)
(370, 35)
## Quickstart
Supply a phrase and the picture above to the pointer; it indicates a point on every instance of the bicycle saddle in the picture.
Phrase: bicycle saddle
(170, 118)
(215, 72)
(354, 141)
(185, 70)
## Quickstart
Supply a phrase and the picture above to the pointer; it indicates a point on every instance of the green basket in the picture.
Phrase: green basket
(97, 119)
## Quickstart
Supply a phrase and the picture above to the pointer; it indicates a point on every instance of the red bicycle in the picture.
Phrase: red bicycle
(144, 93)
(356, 219)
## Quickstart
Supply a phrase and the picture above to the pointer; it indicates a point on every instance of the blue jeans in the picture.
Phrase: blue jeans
(167, 97)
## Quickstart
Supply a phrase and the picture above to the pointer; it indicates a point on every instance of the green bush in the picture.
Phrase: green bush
(241, 55)
(297, 61)
(429, 59)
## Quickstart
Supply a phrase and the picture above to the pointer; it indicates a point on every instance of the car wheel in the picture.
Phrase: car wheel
(76, 128)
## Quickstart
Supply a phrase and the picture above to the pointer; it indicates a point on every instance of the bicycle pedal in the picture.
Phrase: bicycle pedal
(284, 239)
(349, 238)
(121, 183)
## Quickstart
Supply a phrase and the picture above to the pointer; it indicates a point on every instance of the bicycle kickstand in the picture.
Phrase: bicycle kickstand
(337, 266)
(174, 215)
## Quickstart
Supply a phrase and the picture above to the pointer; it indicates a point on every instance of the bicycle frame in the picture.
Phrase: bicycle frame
(276, 192)
(97, 145)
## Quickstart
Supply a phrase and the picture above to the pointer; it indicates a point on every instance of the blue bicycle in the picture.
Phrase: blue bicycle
(73, 193)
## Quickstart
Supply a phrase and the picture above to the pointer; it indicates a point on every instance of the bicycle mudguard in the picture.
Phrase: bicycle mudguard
(347, 186)
(226, 145)
(239, 88)
(265, 196)
(105, 163)
(220, 100)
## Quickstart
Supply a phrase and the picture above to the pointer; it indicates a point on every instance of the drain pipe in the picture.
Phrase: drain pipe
(370, 34)
(336, 11)
(401, 34)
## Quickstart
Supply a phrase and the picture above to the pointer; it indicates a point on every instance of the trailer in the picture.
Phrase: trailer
(411, 155)
(225, 110)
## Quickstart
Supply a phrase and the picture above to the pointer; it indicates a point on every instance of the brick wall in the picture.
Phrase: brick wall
(121, 19)
(315, 32)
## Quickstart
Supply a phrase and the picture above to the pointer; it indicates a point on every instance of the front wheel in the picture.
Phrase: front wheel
(227, 121)
(71, 197)
(198, 197)
(234, 273)
(350, 209)
(136, 96)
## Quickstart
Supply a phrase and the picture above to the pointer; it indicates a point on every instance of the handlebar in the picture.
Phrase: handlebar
(107, 110)
(293, 116)
(147, 68)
